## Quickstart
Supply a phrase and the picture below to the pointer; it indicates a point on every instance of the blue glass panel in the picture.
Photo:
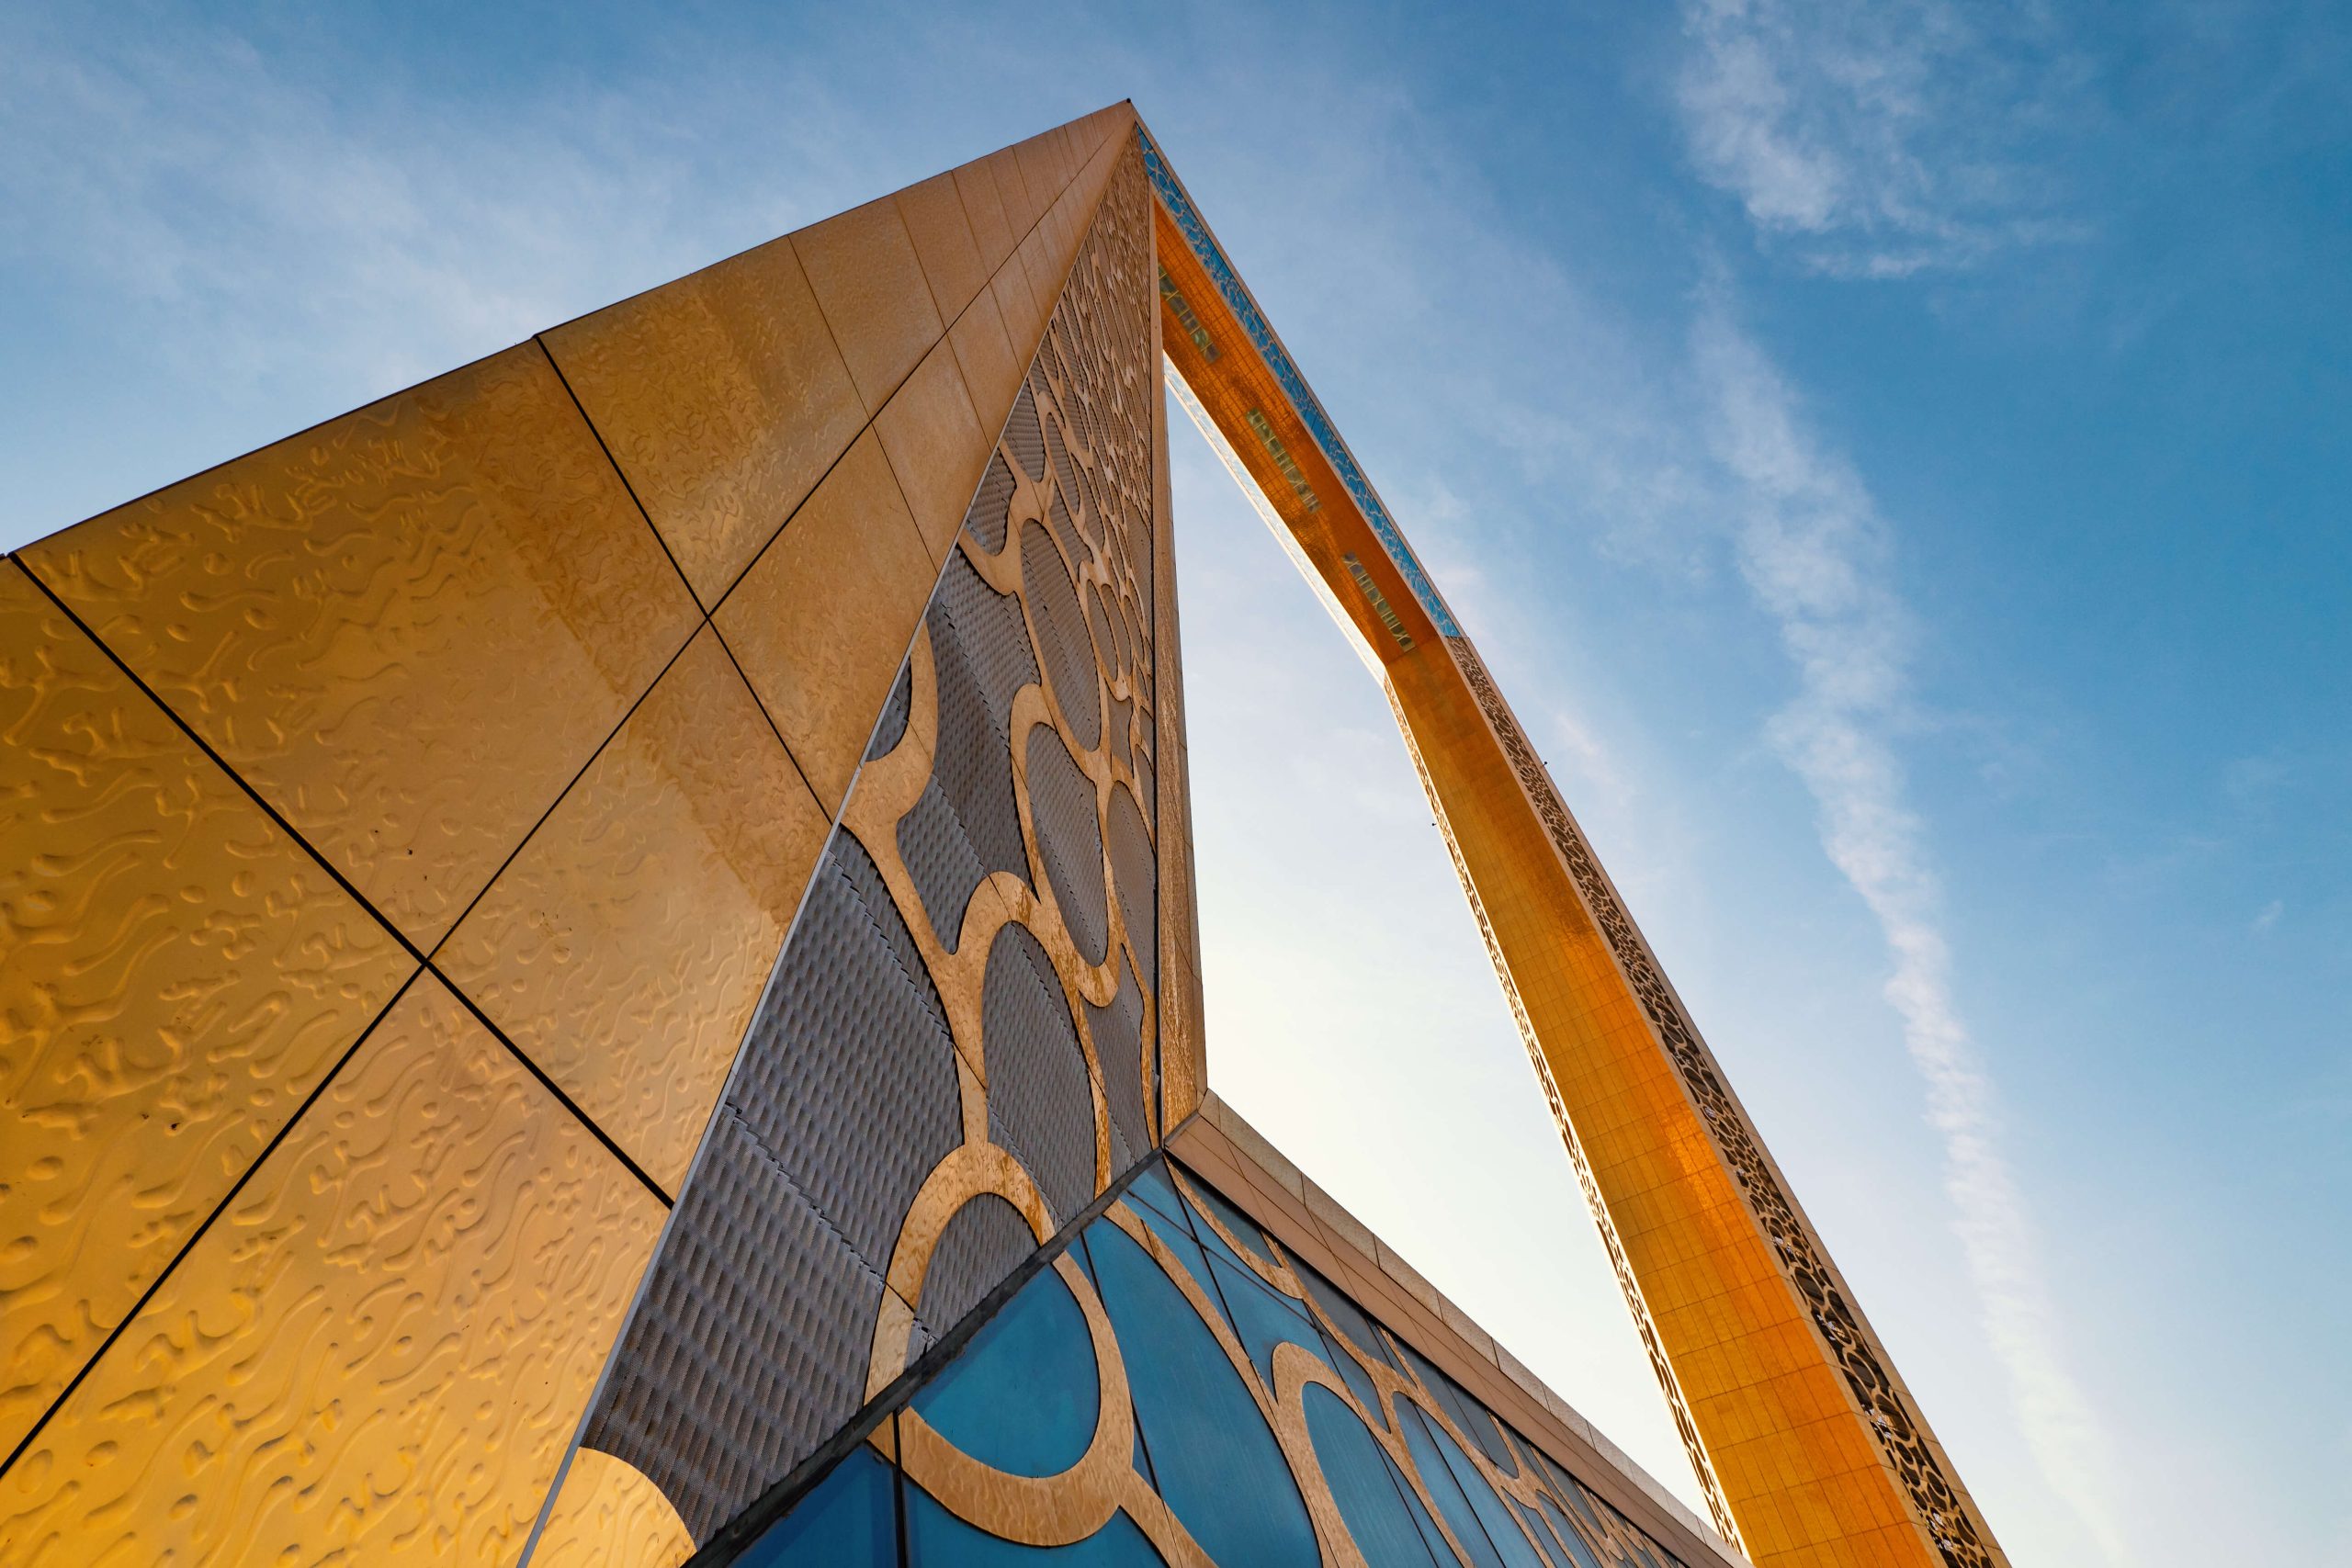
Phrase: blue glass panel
(1152, 1188)
(1022, 1395)
(1349, 1317)
(1546, 1547)
(1243, 1228)
(1353, 1374)
(1422, 1440)
(847, 1520)
(1579, 1550)
(1502, 1529)
(1263, 1318)
(1467, 1412)
(1219, 1467)
(1365, 1484)
(937, 1539)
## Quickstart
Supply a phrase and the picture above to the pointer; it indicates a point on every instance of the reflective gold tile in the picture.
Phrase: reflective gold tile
(823, 617)
(407, 628)
(935, 446)
(723, 399)
(175, 974)
(870, 282)
(625, 947)
(609, 1515)
(379, 1352)
(984, 208)
(991, 371)
(944, 243)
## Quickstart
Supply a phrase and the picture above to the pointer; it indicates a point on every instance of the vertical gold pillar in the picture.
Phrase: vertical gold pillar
(1807, 1445)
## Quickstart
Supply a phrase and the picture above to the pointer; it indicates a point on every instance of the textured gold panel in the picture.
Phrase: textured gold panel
(377, 1353)
(942, 239)
(177, 975)
(869, 280)
(935, 446)
(991, 230)
(626, 945)
(723, 399)
(407, 628)
(609, 1515)
(824, 615)
(991, 370)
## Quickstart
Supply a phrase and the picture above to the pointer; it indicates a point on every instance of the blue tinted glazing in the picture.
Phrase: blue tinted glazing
(1438, 1476)
(847, 1520)
(1546, 1547)
(1263, 1318)
(1349, 1318)
(937, 1539)
(1579, 1550)
(1501, 1529)
(1219, 1467)
(1467, 1412)
(1364, 1482)
(1152, 1188)
(1243, 1228)
(1359, 1381)
(1022, 1395)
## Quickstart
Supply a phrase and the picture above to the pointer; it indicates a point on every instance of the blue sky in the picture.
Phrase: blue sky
(1894, 455)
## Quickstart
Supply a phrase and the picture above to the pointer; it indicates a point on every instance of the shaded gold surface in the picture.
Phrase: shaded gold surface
(379, 1349)
(942, 234)
(821, 619)
(722, 398)
(177, 975)
(607, 1514)
(625, 947)
(407, 628)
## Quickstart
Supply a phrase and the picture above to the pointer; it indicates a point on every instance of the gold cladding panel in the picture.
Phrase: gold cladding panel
(935, 446)
(177, 975)
(870, 282)
(823, 617)
(625, 947)
(380, 1351)
(722, 398)
(407, 628)
(609, 1515)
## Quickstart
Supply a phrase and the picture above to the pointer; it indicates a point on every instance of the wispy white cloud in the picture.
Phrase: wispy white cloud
(1875, 138)
(1813, 548)
(2268, 920)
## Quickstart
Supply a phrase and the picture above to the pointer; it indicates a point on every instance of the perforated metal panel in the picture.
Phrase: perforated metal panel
(1117, 1033)
(1062, 637)
(1136, 870)
(1038, 1103)
(749, 1344)
(985, 1240)
(965, 824)
(1070, 840)
(991, 507)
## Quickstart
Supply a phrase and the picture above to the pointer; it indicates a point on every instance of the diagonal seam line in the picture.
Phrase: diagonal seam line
(197, 1235)
(342, 881)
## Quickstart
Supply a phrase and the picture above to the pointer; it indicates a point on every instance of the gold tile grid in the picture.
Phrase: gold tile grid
(888, 786)
(363, 622)
(1769, 1410)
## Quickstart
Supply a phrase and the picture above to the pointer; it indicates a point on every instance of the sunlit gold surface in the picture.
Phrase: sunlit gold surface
(609, 1515)
(723, 399)
(175, 977)
(626, 945)
(821, 619)
(378, 1349)
(407, 628)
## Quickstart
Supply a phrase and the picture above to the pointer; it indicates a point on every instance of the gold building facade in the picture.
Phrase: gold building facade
(601, 968)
